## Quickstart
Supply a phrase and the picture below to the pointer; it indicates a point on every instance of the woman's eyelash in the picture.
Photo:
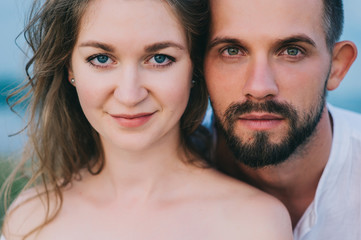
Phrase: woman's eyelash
(156, 60)
(101, 58)
(160, 60)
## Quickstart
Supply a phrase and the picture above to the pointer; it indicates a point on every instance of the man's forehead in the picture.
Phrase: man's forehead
(277, 18)
(266, 4)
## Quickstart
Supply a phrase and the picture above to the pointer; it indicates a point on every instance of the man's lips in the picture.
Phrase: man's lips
(132, 120)
(260, 121)
(260, 117)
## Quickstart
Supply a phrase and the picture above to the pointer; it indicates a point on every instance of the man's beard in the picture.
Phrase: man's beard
(261, 151)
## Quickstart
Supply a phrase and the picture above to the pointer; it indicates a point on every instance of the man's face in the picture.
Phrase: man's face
(266, 71)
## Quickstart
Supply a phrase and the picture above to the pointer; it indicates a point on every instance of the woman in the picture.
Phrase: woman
(116, 97)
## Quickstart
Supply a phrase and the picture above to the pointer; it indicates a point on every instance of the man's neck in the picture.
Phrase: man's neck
(293, 182)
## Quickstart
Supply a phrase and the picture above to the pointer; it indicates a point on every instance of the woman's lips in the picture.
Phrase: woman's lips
(260, 122)
(133, 120)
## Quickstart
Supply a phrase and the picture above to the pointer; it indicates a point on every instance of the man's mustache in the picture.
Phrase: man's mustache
(237, 109)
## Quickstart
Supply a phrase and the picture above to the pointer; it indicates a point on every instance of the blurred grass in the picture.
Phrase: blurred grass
(7, 164)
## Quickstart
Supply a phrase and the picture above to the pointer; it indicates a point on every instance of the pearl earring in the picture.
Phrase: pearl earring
(72, 80)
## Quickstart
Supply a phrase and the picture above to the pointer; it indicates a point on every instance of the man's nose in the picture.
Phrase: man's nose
(260, 79)
(130, 89)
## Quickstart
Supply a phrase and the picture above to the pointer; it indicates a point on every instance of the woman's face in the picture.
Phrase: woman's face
(132, 72)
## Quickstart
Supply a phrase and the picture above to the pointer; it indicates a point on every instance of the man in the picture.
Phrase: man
(268, 67)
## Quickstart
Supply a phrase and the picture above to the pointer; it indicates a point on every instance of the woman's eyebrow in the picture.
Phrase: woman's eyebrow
(95, 44)
(150, 48)
(162, 45)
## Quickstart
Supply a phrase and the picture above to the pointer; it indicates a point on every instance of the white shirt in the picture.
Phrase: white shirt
(335, 213)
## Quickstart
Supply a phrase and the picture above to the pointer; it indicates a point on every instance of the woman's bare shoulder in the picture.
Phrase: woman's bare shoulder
(217, 182)
(248, 212)
(26, 212)
(259, 216)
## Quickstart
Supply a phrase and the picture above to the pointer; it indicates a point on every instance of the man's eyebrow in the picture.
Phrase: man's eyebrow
(285, 41)
(223, 40)
(95, 44)
(296, 39)
(162, 45)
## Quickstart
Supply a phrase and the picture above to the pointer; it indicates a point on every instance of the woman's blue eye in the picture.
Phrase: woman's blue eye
(102, 58)
(160, 58)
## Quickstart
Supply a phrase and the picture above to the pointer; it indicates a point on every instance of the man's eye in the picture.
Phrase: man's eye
(292, 51)
(232, 51)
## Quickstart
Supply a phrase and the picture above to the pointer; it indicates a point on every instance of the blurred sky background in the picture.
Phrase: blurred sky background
(12, 61)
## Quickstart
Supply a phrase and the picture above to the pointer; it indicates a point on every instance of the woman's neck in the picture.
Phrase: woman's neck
(142, 172)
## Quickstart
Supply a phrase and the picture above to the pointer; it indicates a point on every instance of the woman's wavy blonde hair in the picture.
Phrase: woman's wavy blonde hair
(61, 141)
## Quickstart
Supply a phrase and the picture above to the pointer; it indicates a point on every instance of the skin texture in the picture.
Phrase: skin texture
(274, 50)
(145, 190)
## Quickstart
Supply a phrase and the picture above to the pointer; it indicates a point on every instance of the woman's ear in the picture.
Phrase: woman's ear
(343, 55)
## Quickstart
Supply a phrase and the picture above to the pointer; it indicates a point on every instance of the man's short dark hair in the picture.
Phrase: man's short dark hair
(333, 21)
